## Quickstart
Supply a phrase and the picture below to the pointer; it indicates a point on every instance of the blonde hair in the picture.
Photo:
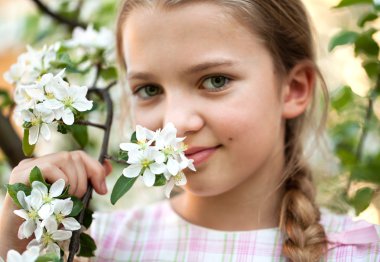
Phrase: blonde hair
(285, 28)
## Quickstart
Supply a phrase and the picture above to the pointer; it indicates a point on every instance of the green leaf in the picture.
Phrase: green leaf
(36, 175)
(122, 186)
(372, 68)
(80, 134)
(87, 246)
(62, 128)
(160, 180)
(365, 44)
(343, 38)
(367, 17)
(51, 257)
(14, 188)
(345, 3)
(26, 147)
(5, 99)
(362, 199)
(123, 155)
(134, 138)
(108, 73)
(342, 98)
(87, 219)
(77, 207)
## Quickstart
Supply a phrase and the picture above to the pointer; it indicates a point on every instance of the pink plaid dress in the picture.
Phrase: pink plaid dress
(157, 233)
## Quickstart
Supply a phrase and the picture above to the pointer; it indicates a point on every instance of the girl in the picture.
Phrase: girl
(237, 78)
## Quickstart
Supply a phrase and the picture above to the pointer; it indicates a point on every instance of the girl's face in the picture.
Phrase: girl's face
(214, 79)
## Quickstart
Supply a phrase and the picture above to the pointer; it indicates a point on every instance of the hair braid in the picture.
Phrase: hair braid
(305, 239)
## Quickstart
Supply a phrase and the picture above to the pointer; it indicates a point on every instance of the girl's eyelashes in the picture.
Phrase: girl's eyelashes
(147, 91)
(215, 83)
(211, 84)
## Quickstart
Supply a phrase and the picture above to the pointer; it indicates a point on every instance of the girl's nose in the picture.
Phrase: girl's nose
(185, 114)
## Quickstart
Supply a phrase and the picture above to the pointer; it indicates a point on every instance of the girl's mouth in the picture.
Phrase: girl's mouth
(200, 154)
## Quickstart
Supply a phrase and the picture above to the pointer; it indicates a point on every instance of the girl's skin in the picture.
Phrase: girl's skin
(233, 100)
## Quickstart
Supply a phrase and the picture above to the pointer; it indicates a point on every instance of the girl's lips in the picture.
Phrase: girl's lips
(200, 154)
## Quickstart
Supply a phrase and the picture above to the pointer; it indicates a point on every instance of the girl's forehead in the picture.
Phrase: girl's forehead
(191, 31)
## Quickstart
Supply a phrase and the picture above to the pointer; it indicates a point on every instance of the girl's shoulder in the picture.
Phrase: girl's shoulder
(155, 232)
(349, 237)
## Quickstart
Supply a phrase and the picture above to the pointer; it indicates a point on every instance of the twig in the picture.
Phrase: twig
(75, 240)
(115, 159)
(88, 123)
(71, 23)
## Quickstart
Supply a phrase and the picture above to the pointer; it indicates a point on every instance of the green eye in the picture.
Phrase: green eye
(148, 91)
(215, 83)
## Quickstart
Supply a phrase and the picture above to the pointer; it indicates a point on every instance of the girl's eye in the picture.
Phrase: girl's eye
(215, 83)
(148, 91)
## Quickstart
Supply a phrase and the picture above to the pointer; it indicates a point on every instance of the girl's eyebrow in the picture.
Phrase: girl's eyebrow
(191, 70)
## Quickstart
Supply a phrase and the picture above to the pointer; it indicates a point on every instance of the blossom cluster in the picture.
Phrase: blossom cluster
(43, 94)
(157, 153)
(47, 217)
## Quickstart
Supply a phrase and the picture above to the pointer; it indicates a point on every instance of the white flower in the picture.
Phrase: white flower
(149, 162)
(178, 180)
(31, 205)
(39, 120)
(14, 74)
(27, 96)
(50, 238)
(71, 98)
(90, 38)
(56, 189)
(63, 208)
(145, 138)
(29, 255)
(167, 138)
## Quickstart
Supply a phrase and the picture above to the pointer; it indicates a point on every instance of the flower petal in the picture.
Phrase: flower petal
(50, 224)
(68, 117)
(180, 179)
(14, 256)
(149, 178)
(29, 227)
(57, 188)
(168, 188)
(45, 132)
(37, 185)
(129, 146)
(33, 134)
(157, 168)
(46, 211)
(36, 199)
(132, 171)
(21, 213)
(61, 235)
(173, 166)
(71, 223)
(21, 197)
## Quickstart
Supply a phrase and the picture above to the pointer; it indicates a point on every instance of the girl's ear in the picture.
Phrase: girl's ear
(298, 90)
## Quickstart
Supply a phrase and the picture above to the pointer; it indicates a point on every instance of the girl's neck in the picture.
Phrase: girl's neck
(255, 204)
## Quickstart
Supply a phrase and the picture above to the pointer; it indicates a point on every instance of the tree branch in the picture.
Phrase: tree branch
(10, 142)
(63, 20)
(75, 241)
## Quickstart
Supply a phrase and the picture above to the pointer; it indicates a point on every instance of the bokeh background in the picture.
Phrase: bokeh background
(337, 163)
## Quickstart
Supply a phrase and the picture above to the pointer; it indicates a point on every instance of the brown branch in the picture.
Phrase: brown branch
(10, 143)
(75, 240)
(114, 159)
(88, 123)
(63, 20)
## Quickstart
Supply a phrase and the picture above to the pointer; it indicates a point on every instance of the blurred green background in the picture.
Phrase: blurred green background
(347, 162)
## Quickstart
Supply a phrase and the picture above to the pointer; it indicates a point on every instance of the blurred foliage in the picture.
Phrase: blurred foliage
(354, 127)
